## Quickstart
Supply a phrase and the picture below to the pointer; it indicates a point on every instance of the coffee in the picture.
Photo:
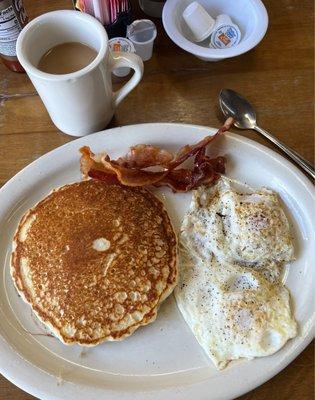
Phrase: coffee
(66, 58)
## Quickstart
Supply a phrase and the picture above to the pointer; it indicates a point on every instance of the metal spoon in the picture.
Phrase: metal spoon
(234, 105)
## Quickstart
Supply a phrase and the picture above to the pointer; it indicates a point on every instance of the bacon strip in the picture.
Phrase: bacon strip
(190, 150)
(130, 170)
(102, 168)
(110, 179)
(204, 173)
(133, 176)
(144, 156)
(91, 161)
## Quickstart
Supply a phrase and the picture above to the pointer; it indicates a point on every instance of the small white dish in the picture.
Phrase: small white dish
(250, 16)
(162, 360)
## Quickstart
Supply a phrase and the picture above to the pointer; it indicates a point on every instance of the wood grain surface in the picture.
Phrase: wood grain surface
(277, 76)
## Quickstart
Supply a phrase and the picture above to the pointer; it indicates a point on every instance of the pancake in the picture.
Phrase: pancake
(94, 261)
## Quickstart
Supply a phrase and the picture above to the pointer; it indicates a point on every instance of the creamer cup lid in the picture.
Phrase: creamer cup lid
(225, 34)
(141, 31)
(123, 45)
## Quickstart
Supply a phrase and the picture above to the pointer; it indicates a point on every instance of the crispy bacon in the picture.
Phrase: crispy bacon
(190, 150)
(131, 170)
(91, 161)
(102, 168)
(103, 176)
(144, 156)
(133, 176)
(205, 172)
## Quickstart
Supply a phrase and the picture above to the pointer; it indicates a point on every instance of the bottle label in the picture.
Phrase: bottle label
(10, 28)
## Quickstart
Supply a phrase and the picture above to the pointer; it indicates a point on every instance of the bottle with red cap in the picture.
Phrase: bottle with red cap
(12, 20)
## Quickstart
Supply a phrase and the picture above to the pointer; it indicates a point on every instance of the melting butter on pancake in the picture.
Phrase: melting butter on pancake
(233, 247)
(94, 261)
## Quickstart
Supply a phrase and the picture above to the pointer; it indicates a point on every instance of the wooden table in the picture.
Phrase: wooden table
(277, 77)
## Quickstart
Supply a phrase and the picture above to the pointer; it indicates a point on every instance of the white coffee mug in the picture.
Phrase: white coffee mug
(81, 102)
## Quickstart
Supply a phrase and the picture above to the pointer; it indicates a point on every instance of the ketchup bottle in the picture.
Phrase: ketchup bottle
(12, 20)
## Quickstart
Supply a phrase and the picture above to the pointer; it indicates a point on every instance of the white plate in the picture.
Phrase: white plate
(162, 360)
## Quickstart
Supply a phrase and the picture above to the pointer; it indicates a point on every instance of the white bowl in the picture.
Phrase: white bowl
(250, 15)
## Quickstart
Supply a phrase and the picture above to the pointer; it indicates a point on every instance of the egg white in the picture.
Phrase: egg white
(232, 297)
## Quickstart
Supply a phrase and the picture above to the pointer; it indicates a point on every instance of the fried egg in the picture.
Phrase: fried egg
(247, 228)
(233, 247)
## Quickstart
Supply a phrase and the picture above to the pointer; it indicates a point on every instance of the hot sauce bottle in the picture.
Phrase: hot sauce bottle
(12, 20)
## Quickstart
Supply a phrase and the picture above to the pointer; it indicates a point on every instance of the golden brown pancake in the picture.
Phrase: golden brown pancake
(94, 260)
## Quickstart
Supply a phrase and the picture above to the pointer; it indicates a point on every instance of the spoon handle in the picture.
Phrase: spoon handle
(308, 167)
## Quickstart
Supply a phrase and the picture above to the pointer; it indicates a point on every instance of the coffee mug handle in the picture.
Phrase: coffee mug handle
(118, 60)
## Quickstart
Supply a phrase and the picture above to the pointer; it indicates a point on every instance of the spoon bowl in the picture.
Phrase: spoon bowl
(234, 105)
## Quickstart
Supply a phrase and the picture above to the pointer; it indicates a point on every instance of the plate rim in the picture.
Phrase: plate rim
(31, 388)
